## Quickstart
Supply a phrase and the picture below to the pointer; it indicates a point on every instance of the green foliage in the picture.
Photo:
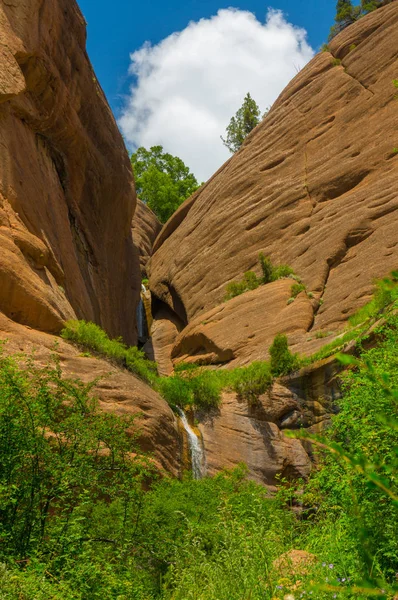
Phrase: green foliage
(283, 361)
(282, 271)
(385, 294)
(266, 268)
(337, 345)
(84, 518)
(296, 289)
(357, 484)
(162, 181)
(251, 281)
(236, 288)
(347, 13)
(91, 337)
(245, 119)
(62, 464)
(251, 382)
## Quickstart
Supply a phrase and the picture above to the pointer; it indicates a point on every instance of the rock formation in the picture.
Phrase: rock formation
(314, 187)
(66, 204)
(66, 186)
(146, 227)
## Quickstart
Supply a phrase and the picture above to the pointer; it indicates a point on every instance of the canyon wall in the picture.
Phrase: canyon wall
(67, 200)
(66, 186)
(314, 186)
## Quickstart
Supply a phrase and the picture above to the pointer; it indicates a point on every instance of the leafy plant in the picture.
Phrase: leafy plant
(162, 181)
(282, 360)
(296, 289)
(251, 281)
(251, 382)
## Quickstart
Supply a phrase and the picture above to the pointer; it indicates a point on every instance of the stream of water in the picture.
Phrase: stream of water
(195, 447)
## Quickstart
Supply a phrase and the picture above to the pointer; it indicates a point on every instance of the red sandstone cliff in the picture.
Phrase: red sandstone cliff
(66, 204)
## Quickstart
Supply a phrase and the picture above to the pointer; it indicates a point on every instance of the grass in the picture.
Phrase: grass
(89, 336)
(385, 298)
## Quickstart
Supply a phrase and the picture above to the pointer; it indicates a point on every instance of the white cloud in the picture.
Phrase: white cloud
(189, 85)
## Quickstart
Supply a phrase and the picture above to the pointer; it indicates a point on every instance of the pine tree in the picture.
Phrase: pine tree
(245, 119)
(346, 14)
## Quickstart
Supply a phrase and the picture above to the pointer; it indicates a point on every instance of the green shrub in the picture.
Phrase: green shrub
(251, 382)
(283, 361)
(176, 391)
(266, 268)
(356, 484)
(90, 336)
(206, 389)
(235, 288)
(281, 271)
(251, 281)
(296, 289)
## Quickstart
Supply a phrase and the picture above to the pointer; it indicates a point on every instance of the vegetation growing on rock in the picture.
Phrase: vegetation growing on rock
(347, 13)
(250, 280)
(240, 125)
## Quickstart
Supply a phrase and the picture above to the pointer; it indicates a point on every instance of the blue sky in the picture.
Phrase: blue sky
(180, 91)
(118, 28)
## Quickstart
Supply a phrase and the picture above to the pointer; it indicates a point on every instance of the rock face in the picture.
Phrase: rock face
(238, 432)
(314, 187)
(146, 227)
(66, 186)
(66, 205)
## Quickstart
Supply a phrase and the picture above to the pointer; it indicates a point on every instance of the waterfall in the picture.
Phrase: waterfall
(144, 318)
(195, 447)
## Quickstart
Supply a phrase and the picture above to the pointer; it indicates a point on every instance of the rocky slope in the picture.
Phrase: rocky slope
(66, 203)
(315, 187)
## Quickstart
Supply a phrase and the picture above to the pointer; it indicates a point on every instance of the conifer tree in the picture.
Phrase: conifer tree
(346, 14)
(245, 119)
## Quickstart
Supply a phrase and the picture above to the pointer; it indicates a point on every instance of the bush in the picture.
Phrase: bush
(356, 484)
(281, 271)
(283, 361)
(266, 268)
(235, 288)
(176, 391)
(296, 289)
(251, 281)
(251, 382)
(206, 388)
